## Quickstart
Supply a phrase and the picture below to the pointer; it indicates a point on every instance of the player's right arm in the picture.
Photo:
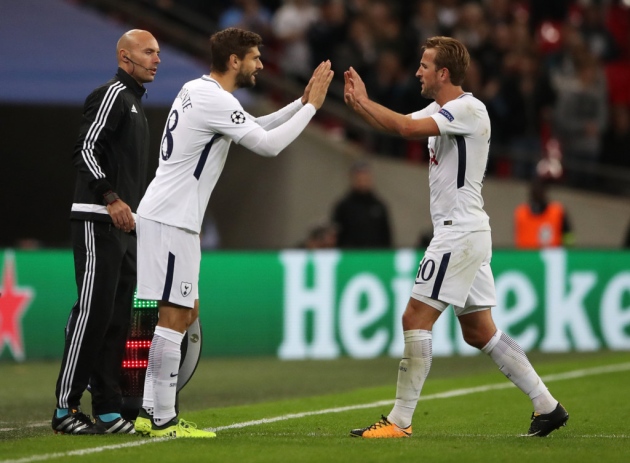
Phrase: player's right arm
(382, 118)
(350, 100)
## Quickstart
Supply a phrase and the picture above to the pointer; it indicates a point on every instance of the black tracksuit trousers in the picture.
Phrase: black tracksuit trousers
(98, 326)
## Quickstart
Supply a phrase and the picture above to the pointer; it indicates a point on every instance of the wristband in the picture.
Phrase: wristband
(110, 197)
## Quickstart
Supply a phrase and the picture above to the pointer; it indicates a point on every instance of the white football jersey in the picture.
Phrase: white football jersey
(202, 123)
(458, 160)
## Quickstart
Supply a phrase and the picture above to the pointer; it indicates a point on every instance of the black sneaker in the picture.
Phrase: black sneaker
(117, 426)
(543, 425)
(75, 422)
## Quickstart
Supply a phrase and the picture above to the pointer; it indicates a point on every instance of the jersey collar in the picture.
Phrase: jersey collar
(210, 79)
(130, 82)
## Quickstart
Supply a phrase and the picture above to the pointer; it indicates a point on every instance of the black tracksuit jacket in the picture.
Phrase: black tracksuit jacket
(112, 150)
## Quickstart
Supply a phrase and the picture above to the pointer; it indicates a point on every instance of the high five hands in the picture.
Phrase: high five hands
(353, 89)
(315, 91)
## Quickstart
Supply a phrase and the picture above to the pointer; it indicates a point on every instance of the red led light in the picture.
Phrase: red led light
(138, 344)
(135, 364)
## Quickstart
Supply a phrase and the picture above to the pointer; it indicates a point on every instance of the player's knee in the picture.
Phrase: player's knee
(421, 315)
(193, 315)
(408, 319)
(474, 338)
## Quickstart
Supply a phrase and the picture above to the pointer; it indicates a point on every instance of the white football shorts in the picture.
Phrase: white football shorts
(168, 263)
(456, 270)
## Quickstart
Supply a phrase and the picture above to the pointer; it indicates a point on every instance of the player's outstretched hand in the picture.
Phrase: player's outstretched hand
(348, 91)
(307, 90)
(354, 88)
(319, 84)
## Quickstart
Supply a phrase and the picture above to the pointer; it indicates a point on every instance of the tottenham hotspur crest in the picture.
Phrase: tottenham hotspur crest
(238, 117)
(185, 288)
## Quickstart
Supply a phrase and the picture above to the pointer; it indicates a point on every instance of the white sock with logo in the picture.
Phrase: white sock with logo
(514, 364)
(164, 357)
(147, 395)
(413, 370)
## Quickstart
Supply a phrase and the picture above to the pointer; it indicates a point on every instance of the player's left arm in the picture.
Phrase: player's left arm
(270, 143)
(277, 118)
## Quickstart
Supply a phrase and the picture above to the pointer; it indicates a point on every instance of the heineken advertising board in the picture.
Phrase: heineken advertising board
(296, 304)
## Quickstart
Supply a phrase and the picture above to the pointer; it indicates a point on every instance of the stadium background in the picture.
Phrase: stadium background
(265, 207)
(296, 305)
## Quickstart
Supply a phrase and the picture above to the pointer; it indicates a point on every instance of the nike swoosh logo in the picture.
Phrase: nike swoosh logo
(174, 374)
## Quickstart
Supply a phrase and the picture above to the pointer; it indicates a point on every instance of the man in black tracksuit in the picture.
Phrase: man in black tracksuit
(111, 157)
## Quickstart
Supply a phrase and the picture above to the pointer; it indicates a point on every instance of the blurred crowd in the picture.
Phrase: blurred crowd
(553, 74)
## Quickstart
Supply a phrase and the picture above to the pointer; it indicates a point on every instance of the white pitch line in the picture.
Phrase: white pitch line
(40, 424)
(441, 395)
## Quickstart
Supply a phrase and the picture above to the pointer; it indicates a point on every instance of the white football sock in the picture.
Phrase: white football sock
(514, 364)
(413, 370)
(164, 357)
(147, 394)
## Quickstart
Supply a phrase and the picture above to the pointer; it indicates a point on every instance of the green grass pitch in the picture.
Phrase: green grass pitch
(266, 410)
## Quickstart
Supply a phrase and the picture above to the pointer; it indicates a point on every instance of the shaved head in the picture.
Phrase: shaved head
(138, 52)
(132, 38)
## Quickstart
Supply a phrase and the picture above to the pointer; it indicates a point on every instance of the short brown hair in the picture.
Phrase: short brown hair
(231, 41)
(450, 54)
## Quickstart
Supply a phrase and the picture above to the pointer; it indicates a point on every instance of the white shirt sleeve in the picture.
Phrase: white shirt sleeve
(223, 113)
(270, 143)
(425, 112)
(457, 117)
(273, 120)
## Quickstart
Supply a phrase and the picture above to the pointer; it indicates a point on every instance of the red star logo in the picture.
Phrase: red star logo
(13, 304)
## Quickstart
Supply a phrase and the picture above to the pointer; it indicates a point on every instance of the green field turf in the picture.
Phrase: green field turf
(266, 410)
